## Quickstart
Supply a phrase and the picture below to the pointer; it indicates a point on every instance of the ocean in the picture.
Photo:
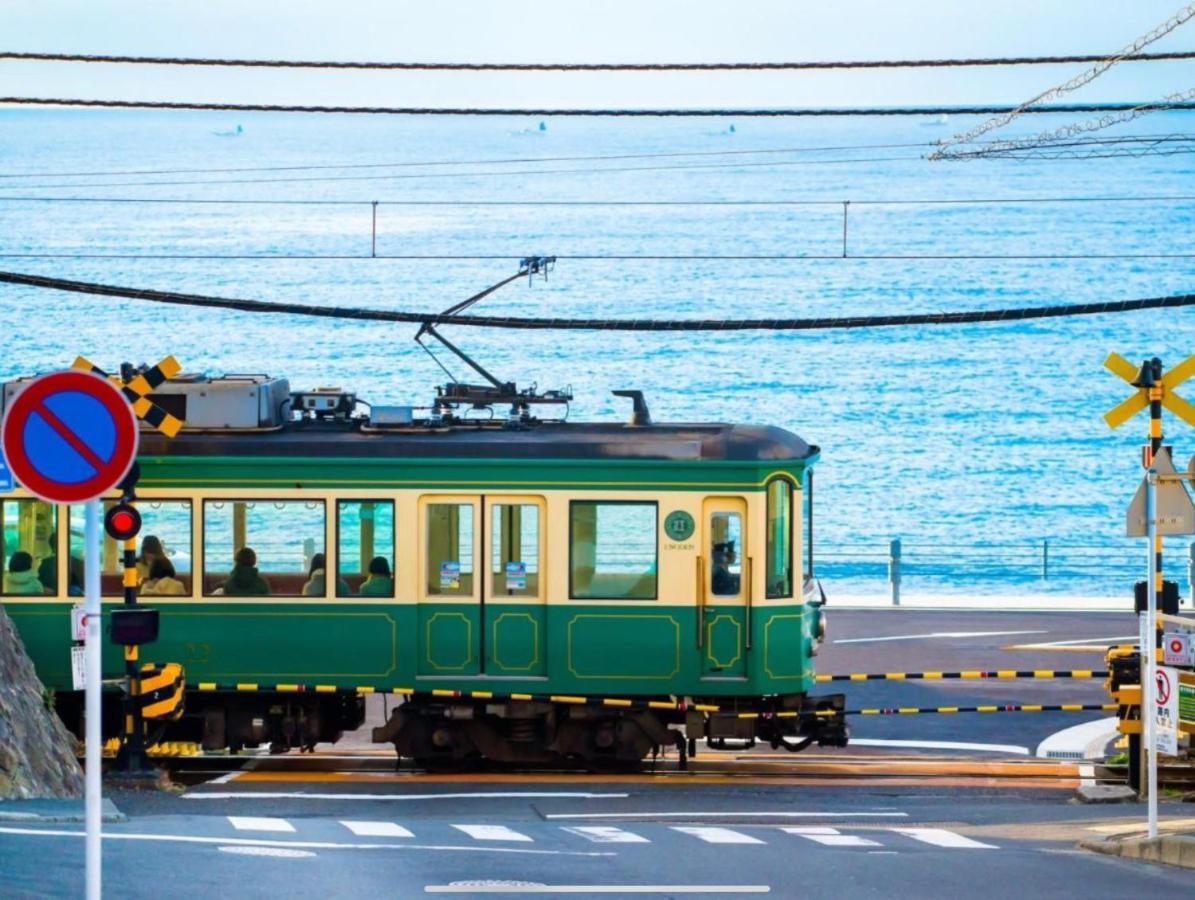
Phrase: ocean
(972, 444)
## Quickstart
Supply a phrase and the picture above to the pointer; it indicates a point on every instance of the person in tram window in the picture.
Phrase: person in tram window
(162, 581)
(379, 583)
(47, 570)
(151, 549)
(723, 582)
(20, 578)
(317, 579)
(244, 580)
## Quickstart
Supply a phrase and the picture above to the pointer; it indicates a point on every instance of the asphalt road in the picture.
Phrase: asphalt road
(865, 821)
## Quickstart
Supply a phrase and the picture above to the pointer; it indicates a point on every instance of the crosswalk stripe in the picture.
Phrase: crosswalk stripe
(831, 837)
(377, 829)
(940, 837)
(606, 834)
(259, 823)
(713, 835)
(491, 833)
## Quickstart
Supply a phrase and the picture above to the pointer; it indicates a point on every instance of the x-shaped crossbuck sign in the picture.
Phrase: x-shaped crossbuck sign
(1122, 412)
(138, 388)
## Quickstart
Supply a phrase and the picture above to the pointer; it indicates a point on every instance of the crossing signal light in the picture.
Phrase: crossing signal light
(122, 522)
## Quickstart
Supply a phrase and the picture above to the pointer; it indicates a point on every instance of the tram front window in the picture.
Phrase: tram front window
(779, 577)
(28, 549)
(515, 549)
(365, 548)
(263, 547)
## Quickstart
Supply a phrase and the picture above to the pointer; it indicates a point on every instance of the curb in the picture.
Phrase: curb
(1171, 849)
(50, 812)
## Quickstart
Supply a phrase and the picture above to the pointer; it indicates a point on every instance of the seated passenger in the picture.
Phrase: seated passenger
(151, 549)
(379, 583)
(244, 581)
(162, 581)
(317, 579)
(20, 578)
(47, 569)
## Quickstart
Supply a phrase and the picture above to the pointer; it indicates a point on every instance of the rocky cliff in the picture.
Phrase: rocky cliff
(37, 753)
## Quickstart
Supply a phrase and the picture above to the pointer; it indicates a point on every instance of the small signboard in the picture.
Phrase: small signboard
(78, 623)
(1176, 648)
(516, 576)
(79, 667)
(1175, 513)
(450, 575)
(1166, 711)
(6, 482)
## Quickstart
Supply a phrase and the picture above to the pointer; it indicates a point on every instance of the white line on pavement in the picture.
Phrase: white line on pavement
(524, 888)
(940, 837)
(605, 834)
(713, 835)
(491, 833)
(225, 778)
(377, 829)
(941, 745)
(260, 823)
(831, 837)
(724, 815)
(308, 845)
(933, 634)
(481, 795)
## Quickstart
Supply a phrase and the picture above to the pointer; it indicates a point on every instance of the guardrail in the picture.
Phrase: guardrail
(1015, 562)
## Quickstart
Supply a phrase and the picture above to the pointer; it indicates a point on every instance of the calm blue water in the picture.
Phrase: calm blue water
(977, 435)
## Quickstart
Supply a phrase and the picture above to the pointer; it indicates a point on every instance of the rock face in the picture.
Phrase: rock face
(37, 753)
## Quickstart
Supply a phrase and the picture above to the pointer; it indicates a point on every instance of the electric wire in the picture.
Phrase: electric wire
(1012, 314)
(609, 257)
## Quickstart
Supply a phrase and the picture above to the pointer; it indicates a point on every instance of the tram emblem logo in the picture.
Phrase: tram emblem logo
(679, 525)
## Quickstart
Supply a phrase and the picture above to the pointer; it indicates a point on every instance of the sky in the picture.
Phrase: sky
(584, 30)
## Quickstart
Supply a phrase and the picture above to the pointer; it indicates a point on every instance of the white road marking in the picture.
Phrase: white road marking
(524, 888)
(940, 837)
(481, 795)
(712, 835)
(309, 845)
(724, 815)
(1080, 642)
(831, 837)
(225, 778)
(491, 833)
(377, 829)
(941, 745)
(260, 823)
(279, 852)
(606, 834)
(934, 634)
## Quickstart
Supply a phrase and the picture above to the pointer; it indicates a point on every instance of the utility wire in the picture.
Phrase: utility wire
(666, 112)
(590, 67)
(560, 324)
(608, 257)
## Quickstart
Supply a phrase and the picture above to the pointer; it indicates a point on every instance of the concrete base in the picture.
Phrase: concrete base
(1105, 793)
(1171, 849)
(41, 812)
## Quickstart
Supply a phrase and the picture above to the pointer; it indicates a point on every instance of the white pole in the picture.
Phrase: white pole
(94, 737)
(1149, 667)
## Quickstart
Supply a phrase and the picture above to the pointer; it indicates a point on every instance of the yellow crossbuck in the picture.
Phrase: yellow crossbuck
(137, 389)
(1122, 412)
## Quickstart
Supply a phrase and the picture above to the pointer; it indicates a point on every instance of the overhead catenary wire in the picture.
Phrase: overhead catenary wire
(930, 63)
(822, 323)
(600, 257)
(602, 112)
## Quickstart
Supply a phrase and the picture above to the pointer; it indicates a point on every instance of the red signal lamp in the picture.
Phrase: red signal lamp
(122, 522)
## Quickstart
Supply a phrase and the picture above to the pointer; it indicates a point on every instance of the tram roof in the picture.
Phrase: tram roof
(680, 442)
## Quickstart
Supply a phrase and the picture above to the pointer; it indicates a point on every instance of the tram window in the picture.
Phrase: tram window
(365, 548)
(28, 549)
(514, 551)
(258, 547)
(613, 550)
(165, 535)
(726, 543)
(807, 511)
(450, 549)
(779, 577)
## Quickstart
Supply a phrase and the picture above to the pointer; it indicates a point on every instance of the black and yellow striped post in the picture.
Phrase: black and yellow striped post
(132, 757)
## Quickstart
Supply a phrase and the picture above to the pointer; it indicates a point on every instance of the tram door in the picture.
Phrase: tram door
(481, 609)
(724, 615)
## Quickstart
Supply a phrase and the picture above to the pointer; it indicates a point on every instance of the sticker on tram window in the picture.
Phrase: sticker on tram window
(6, 480)
(450, 575)
(516, 576)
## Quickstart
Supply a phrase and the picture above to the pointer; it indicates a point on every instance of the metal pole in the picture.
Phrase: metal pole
(94, 738)
(1045, 560)
(845, 205)
(1191, 575)
(1149, 657)
(894, 569)
(373, 246)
